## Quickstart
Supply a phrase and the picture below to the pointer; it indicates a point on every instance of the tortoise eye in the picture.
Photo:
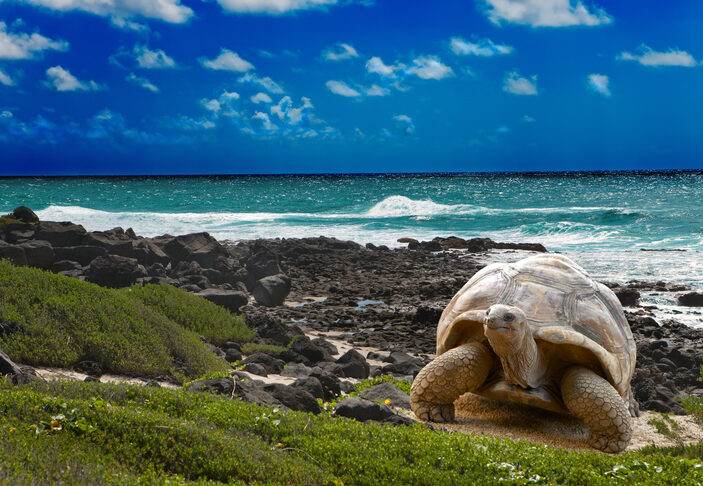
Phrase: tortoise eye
(508, 317)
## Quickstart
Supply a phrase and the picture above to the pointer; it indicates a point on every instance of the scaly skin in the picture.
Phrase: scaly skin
(592, 399)
(446, 378)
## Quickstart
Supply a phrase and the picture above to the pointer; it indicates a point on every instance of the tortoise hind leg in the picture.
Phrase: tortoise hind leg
(594, 400)
(446, 378)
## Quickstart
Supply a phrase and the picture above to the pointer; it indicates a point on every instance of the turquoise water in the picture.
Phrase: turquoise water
(601, 220)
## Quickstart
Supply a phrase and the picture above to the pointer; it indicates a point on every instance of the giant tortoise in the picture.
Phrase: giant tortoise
(539, 332)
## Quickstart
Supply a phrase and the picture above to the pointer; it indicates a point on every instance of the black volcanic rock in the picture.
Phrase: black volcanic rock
(272, 291)
(115, 271)
(61, 234)
(691, 299)
(24, 214)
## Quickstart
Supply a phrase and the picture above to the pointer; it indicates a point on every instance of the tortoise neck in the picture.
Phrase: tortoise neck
(524, 365)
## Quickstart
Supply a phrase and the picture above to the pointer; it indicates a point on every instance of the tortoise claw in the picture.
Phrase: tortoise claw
(432, 412)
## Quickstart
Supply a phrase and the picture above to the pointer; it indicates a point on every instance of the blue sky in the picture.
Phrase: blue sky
(298, 86)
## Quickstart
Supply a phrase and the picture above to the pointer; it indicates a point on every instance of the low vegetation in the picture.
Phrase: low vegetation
(87, 433)
(138, 332)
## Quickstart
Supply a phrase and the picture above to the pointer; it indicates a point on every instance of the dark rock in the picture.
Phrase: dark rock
(65, 265)
(183, 268)
(354, 365)
(347, 387)
(83, 254)
(305, 347)
(156, 270)
(232, 355)
(61, 234)
(7, 366)
(198, 247)
(114, 242)
(13, 253)
(24, 214)
(272, 365)
(91, 379)
(90, 367)
(402, 364)
(255, 369)
(230, 299)
(115, 271)
(330, 348)
(311, 385)
(272, 291)
(39, 254)
(335, 369)
(691, 299)
(331, 385)
(628, 297)
(160, 281)
(407, 240)
(384, 391)
(270, 329)
(293, 397)
(261, 263)
(297, 370)
(377, 356)
(362, 410)
(426, 314)
(198, 280)
(148, 253)
(216, 386)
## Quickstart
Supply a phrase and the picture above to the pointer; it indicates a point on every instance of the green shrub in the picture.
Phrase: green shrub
(251, 348)
(64, 321)
(8, 219)
(199, 315)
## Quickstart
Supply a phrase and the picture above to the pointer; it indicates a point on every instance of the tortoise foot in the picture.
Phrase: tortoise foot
(432, 412)
(611, 444)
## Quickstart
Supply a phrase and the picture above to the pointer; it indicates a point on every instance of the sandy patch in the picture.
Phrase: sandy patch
(477, 415)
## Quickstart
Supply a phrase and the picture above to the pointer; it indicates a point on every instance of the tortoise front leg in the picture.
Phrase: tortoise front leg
(594, 400)
(450, 375)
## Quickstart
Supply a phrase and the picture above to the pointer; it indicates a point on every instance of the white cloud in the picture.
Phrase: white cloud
(340, 52)
(5, 79)
(266, 123)
(404, 124)
(599, 83)
(265, 83)
(142, 82)
(342, 89)
(192, 124)
(375, 90)
(225, 105)
(62, 80)
(26, 46)
(289, 114)
(148, 59)
(518, 85)
(528, 119)
(429, 67)
(544, 13)
(652, 58)
(261, 98)
(483, 48)
(275, 7)
(227, 61)
(166, 10)
(377, 66)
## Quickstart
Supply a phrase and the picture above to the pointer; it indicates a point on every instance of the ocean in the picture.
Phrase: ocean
(604, 221)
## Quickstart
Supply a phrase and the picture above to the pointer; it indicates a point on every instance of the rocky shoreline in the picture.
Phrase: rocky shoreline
(369, 296)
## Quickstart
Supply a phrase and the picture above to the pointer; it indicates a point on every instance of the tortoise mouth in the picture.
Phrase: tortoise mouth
(492, 326)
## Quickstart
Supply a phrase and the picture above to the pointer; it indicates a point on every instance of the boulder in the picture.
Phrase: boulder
(14, 253)
(261, 263)
(148, 253)
(354, 365)
(115, 271)
(272, 291)
(305, 347)
(270, 329)
(229, 299)
(331, 385)
(7, 366)
(363, 410)
(83, 254)
(182, 269)
(628, 297)
(272, 365)
(24, 214)
(293, 397)
(691, 299)
(114, 241)
(61, 234)
(198, 247)
(296, 370)
(402, 364)
(255, 369)
(232, 355)
(330, 348)
(311, 385)
(387, 391)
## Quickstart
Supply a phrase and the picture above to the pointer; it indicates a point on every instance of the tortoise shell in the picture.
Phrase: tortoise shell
(580, 320)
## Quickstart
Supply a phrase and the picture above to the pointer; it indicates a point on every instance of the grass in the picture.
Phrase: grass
(88, 433)
(213, 322)
(251, 348)
(9, 219)
(146, 333)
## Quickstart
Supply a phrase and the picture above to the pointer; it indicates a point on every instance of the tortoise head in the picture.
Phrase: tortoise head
(506, 329)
